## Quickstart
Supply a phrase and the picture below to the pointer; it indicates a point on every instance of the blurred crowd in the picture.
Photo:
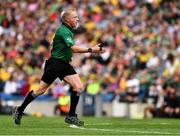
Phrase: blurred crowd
(141, 37)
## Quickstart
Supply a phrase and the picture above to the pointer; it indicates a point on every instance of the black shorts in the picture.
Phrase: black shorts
(56, 68)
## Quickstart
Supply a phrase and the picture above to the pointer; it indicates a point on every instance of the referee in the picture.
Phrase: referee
(58, 66)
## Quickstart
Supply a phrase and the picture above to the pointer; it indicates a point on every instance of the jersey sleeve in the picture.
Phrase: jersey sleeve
(68, 40)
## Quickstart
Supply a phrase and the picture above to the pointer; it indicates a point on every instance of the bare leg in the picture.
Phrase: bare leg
(32, 95)
(42, 88)
(29, 98)
(75, 82)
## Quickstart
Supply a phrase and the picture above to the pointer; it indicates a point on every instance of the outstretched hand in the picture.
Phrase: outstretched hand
(98, 48)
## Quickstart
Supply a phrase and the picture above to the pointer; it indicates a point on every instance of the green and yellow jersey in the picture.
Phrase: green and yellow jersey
(62, 42)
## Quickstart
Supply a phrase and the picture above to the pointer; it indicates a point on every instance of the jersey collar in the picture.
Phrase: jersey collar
(72, 30)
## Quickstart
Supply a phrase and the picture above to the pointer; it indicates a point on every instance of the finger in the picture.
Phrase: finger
(103, 50)
(96, 45)
(99, 44)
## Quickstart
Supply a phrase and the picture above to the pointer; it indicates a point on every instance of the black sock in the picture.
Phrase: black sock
(74, 102)
(29, 98)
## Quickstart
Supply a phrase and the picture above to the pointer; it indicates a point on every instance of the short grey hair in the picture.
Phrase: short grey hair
(66, 13)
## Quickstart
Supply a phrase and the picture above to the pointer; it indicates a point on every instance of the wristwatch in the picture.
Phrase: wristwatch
(90, 50)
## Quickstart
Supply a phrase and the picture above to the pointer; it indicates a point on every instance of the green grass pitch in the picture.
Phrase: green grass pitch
(93, 126)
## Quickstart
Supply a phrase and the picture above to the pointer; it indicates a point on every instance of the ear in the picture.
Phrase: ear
(67, 19)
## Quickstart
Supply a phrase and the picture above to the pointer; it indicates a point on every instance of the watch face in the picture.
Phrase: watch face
(89, 49)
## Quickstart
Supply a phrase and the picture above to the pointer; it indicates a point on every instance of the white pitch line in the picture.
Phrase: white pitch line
(97, 124)
(106, 124)
(130, 131)
(162, 123)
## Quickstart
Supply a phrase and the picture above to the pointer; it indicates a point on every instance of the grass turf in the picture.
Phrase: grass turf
(93, 126)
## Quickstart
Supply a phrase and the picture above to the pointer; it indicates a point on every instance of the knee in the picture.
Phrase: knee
(39, 92)
(79, 88)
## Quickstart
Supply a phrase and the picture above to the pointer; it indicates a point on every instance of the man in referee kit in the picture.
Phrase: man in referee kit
(58, 66)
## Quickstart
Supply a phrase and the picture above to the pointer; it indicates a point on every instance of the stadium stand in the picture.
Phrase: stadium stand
(141, 64)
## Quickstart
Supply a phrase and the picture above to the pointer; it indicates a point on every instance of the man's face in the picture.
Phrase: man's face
(73, 20)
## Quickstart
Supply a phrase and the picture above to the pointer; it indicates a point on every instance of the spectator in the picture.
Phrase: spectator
(142, 38)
